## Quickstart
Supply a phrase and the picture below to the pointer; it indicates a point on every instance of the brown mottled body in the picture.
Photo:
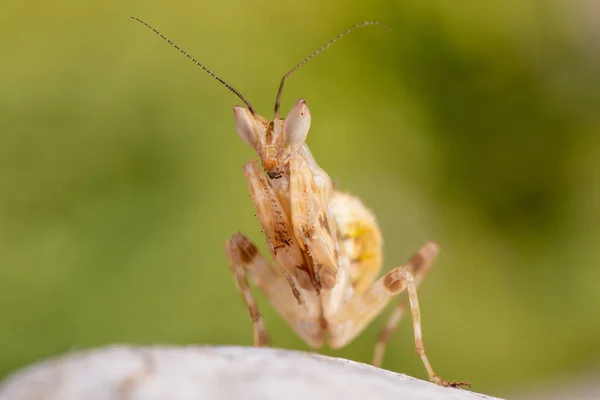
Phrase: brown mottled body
(325, 244)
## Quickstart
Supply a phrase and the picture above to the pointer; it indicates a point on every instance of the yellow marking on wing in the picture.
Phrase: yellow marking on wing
(361, 238)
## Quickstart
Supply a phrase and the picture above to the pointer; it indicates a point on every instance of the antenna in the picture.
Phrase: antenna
(320, 49)
(185, 53)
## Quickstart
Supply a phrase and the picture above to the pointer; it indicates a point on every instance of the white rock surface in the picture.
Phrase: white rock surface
(203, 372)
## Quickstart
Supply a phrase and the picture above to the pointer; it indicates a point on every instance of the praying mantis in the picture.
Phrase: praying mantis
(325, 244)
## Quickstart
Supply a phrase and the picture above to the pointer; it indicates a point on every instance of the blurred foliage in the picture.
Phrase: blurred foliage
(473, 124)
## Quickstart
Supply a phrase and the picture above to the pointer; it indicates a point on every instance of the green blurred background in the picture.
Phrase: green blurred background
(472, 124)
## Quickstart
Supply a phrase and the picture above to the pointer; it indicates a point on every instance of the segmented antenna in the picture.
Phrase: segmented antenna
(185, 53)
(320, 49)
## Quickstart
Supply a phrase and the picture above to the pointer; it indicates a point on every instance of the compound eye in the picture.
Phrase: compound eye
(296, 126)
(244, 124)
